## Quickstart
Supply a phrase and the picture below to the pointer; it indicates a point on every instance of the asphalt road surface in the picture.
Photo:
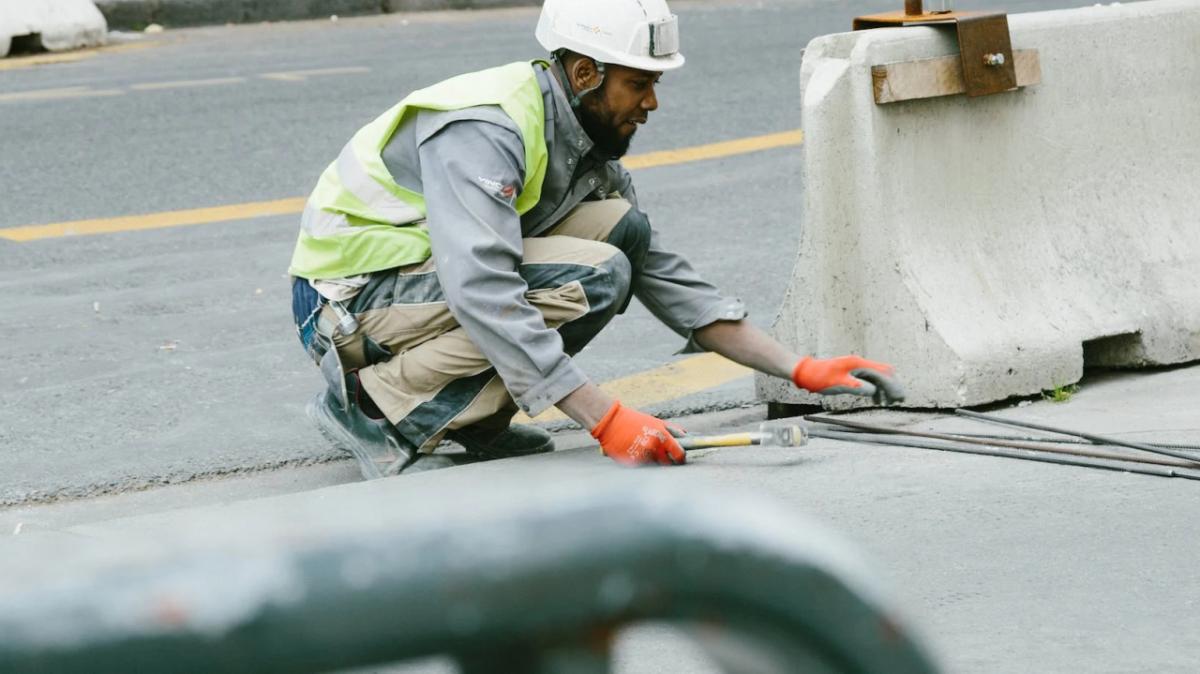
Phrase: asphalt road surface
(136, 358)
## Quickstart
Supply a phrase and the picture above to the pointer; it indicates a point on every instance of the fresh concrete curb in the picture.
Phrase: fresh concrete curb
(137, 14)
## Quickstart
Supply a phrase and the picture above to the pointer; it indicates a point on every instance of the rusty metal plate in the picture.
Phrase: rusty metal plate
(987, 55)
(900, 18)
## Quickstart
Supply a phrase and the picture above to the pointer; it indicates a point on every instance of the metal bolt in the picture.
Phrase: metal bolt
(994, 60)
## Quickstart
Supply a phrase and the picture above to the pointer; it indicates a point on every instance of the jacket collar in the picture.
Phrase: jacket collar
(559, 113)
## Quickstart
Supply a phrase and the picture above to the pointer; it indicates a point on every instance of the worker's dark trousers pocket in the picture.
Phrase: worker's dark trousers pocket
(306, 306)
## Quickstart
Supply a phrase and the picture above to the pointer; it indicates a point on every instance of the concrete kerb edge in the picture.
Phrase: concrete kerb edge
(137, 14)
(568, 435)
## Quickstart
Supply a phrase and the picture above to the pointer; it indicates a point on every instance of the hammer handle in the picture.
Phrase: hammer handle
(733, 440)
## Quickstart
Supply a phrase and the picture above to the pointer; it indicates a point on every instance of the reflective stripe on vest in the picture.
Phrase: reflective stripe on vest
(385, 206)
(358, 220)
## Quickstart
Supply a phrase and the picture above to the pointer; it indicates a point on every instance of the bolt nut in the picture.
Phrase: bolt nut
(993, 60)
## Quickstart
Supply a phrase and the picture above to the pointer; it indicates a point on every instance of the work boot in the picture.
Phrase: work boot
(347, 417)
(374, 442)
(487, 442)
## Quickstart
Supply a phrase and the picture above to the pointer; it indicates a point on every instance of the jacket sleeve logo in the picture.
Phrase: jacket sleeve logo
(506, 192)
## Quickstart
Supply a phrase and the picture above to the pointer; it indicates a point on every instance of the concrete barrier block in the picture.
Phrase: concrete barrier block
(137, 14)
(433, 5)
(174, 13)
(58, 24)
(128, 14)
(990, 247)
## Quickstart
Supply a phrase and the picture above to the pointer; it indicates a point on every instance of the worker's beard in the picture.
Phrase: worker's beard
(597, 120)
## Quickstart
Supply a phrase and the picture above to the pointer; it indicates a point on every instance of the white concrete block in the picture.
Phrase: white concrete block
(978, 244)
(62, 24)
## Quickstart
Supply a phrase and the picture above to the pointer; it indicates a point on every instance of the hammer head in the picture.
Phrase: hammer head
(783, 436)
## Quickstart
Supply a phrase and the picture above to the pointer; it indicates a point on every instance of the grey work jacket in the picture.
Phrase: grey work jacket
(457, 159)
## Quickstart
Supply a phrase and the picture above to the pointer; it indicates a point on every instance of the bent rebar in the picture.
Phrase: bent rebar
(1099, 439)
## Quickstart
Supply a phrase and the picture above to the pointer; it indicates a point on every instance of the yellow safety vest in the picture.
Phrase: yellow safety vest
(358, 220)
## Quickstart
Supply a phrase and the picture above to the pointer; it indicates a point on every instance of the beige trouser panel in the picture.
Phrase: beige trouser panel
(592, 220)
(432, 352)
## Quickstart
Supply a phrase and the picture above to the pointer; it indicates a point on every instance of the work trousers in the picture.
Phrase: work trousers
(418, 364)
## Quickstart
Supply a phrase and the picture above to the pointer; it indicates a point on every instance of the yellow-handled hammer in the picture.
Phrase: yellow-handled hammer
(768, 435)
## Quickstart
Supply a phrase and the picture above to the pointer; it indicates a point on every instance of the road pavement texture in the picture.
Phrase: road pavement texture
(140, 358)
(144, 357)
(1003, 565)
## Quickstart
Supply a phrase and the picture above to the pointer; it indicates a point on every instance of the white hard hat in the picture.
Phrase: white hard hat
(641, 34)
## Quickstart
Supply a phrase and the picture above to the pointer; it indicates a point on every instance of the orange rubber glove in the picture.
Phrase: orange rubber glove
(635, 438)
(849, 374)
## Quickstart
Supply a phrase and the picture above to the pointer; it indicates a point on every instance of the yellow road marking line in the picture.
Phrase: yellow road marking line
(82, 92)
(301, 75)
(728, 148)
(56, 94)
(669, 382)
(195, 216)
(200, 216)
(18, 62)
(179, 84)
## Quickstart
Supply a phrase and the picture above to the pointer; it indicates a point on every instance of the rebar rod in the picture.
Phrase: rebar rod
(1099, 439)
(898, 441)
(1061, 441)
(1030, 446)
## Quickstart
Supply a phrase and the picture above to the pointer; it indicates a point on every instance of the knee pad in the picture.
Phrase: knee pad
(632, 235)
(608, 288)
(621, 271)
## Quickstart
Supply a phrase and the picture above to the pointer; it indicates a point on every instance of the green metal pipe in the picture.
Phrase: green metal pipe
(517, 589)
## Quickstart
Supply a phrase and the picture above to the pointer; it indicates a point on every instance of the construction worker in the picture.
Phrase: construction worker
(469, 241)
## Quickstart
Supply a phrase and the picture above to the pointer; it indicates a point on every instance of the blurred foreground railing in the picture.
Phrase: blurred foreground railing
(538, 586)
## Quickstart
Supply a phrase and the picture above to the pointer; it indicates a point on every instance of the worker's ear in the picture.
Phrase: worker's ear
(584, 74)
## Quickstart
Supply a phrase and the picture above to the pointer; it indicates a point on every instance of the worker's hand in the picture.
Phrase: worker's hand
(634, 438)
(849, 374)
